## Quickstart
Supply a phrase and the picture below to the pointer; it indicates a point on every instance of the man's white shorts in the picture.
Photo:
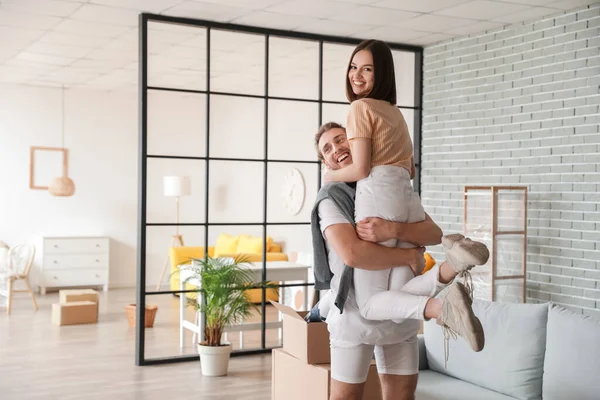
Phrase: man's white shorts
(350, 361)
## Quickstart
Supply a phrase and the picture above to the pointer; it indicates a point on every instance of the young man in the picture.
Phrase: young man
(353, 338)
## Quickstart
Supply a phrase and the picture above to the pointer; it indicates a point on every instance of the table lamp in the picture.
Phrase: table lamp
(174, 186)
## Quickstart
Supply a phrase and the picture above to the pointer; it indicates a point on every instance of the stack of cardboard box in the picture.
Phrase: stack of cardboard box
(76, 307)
(301, 370)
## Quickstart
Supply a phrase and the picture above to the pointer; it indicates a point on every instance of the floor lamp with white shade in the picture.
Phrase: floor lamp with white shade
(174, 186)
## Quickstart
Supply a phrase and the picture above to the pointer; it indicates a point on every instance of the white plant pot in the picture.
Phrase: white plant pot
(214, 360)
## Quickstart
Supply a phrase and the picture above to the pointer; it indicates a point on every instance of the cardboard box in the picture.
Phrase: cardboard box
(307, 342)
(73, 295)
(74, 313)
(292, 379)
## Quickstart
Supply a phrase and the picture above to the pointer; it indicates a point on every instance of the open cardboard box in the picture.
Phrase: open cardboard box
(294, 380)
(309, 343)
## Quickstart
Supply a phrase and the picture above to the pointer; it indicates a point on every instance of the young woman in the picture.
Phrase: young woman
(383, 167)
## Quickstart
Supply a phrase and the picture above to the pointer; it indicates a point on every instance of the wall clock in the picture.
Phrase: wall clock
(293, 191)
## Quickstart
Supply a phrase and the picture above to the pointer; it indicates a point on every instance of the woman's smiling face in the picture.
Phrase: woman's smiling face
(361, 73)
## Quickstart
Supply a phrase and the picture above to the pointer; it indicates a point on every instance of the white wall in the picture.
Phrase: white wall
(177, 126)
(102, 138)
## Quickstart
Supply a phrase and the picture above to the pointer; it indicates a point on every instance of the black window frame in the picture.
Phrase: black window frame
(144, 88)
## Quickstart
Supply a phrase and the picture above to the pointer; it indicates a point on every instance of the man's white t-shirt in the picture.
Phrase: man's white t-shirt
(350, 326)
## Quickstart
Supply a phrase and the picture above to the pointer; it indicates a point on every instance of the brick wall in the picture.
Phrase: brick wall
(520, 106)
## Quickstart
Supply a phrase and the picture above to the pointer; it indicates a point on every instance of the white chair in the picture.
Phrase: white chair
(20, 260)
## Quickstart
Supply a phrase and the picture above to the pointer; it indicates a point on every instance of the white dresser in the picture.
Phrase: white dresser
(75, 261)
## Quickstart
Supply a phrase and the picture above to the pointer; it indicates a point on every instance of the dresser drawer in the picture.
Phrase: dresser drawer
(62, 261)
(75, 245)
(74, 277)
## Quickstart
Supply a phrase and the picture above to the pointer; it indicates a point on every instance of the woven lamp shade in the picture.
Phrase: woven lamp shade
(62, 186)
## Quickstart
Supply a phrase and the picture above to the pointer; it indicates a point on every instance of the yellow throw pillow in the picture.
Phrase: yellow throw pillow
(226, 244)
(429, 262)
(252, 244)
(270, 244)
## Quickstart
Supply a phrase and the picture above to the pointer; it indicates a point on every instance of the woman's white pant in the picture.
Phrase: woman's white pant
(354, 339)
(395, 293)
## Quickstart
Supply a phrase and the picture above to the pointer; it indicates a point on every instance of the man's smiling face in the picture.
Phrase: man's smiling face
(335, 149)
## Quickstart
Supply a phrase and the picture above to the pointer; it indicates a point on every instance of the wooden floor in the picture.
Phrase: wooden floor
(39, 360)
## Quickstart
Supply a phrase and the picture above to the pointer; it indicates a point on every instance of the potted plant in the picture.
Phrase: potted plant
(224, 285)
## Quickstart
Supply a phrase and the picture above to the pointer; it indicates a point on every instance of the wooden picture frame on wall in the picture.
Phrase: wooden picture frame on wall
(32, 164)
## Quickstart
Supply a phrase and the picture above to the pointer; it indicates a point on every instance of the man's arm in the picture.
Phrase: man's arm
(361, 254)
(424, 233)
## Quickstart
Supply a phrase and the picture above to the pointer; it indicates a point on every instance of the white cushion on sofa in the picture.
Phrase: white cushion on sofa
(513, 357)
(436, 386)
(572, 366)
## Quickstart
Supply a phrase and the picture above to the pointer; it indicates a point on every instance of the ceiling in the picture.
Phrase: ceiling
(93, 44)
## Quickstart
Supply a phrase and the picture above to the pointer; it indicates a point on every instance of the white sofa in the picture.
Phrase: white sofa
(532, 351)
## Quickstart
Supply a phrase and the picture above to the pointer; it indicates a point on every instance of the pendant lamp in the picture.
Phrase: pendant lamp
(62, 186)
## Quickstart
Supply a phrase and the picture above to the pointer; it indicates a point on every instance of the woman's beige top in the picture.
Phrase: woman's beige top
(384, 124)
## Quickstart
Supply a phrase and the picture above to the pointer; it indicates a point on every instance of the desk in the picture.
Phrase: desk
(277, 271)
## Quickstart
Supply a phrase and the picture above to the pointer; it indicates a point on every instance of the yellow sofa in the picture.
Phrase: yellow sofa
(183, 255)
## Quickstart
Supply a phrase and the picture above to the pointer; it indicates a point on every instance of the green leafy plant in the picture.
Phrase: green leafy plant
(225, 282)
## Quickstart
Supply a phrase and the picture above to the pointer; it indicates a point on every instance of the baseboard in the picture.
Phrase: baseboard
(122, 285)
(133, 285)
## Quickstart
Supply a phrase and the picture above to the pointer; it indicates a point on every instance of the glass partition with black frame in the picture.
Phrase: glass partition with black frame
(228, 115)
